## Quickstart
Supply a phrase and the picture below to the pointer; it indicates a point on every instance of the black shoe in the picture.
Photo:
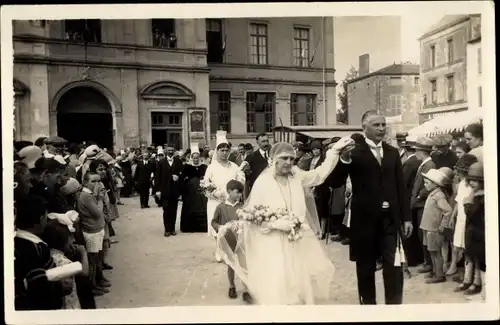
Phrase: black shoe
(106, 266)
(166, 234)
(232, 293)
(173, 233)
(345, 241)
(247, 298)
(98, 292)
(142, 206)
(146, 207)
(336, 238)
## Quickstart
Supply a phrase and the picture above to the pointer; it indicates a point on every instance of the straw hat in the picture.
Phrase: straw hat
(29, 155)
(437, 176)
(424, 144)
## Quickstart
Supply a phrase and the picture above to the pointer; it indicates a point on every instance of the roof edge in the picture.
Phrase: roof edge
(445, 26)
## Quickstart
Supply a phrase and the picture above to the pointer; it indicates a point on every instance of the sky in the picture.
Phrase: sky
(387, 39)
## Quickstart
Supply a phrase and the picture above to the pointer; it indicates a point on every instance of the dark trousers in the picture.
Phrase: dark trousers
(427, 256)
(384, 245)
(335, 224)
(170, 213)
(144, 195)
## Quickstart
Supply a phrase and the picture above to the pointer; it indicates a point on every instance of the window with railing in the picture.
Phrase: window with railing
(163, 31)
(301, 47)
(258, 43)
(433, 91)
(303, 109)
(83, 30)
(216, 43)
(260, 111)
(450, 88)
(220, 111)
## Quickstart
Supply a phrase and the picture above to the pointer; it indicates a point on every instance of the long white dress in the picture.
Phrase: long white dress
(220, 174)
(463, 192)
(277, 271)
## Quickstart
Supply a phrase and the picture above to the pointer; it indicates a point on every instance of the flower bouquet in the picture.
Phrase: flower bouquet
(211, 191)
(265, 217)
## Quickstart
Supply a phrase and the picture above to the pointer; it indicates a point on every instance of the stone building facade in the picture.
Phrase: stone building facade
(475, 66)
(126, 82)
(394, 91)
(443, 55)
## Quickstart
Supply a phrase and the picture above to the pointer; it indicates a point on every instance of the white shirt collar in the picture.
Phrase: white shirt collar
(262, 152)
(372, 144)
(28, 236)
(425, 160)
(231, 204)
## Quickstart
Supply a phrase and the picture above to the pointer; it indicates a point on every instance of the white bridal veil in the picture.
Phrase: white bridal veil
(235, 239)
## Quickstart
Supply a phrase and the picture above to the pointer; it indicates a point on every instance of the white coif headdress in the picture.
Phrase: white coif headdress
(220, 138)
(195, 148)
(281, 149)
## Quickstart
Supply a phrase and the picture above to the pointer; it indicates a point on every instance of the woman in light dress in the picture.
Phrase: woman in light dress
(275, 270)
(220, 172)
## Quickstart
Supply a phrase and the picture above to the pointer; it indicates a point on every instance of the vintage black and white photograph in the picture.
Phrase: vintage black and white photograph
(231, 157)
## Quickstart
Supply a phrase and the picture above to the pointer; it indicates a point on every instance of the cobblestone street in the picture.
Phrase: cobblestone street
(151, 270)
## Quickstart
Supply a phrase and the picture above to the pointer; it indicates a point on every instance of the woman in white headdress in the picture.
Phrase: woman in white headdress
(220, 172)
(275, 270)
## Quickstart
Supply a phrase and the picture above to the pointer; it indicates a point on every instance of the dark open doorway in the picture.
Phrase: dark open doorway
(84, 114)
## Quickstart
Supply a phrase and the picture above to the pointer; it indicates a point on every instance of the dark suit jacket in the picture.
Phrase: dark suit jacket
(419, 193)
(372, 184)
(257, 164)
(322, 192)
(449, 159)
(410, 167)
(236, 157)
(164, 182)
(143, 173)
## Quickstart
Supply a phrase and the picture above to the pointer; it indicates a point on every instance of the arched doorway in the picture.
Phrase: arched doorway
(85, 114)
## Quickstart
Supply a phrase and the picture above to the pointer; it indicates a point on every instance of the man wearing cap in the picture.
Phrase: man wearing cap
(401, 139)
(423, 148)
(411, 163)
(303, 159)
(443, 156)
(380, 211)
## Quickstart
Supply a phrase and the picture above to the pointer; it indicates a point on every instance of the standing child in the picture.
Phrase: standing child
(224, 213)
(458, 217)
(475, 229)
(435, 218)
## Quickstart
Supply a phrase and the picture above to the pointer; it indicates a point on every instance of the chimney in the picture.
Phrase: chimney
(364, 64)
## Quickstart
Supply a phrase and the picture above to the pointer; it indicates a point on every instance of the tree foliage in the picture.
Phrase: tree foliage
(342, 111)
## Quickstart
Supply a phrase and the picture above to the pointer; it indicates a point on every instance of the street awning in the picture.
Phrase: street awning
(447, 123)
(326, 134)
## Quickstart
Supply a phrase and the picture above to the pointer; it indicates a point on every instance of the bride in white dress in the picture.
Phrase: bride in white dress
(275, 270)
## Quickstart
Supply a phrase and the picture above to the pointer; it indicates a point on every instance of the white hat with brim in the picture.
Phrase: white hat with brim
(29, 155)
(92, 151)
(436, 176)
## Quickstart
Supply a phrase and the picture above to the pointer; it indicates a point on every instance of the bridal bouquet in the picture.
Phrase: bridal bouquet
(265, 217)
(211, 191)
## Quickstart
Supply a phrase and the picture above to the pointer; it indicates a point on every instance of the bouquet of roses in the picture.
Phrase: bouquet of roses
(265, 217)
(211, 191)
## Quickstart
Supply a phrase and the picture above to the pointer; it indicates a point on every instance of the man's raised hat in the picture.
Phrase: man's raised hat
(424, 144)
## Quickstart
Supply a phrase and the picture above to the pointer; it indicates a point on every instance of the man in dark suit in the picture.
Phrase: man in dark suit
(380, 212)
(423, 148)
(142, 178)
(413, 247)
(258, 160)
(443, 156)
(167, 183)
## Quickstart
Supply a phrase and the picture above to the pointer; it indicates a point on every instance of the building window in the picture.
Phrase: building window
(480, 96)
(303, 109)
(395, 105)
(220, 111)
(216, 43)
(156, 119)
(449, 44)
(301, 47)
(450, 86)
(164, 33)
(433, 91)
(83, 30)
(433, 56)
(258, 43)
(395, 81)
(416, 80)
(479, 61)
(260, 112)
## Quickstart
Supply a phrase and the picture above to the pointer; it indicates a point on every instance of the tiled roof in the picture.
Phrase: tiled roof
(444, 22)
(392, 70)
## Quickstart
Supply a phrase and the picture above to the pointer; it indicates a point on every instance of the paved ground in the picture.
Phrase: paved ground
(154, 271)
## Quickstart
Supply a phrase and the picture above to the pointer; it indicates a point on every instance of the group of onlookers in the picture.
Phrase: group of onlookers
(445, 185)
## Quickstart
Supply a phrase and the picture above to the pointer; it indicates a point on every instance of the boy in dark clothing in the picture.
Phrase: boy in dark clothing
(224, 213)
(32, 258)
